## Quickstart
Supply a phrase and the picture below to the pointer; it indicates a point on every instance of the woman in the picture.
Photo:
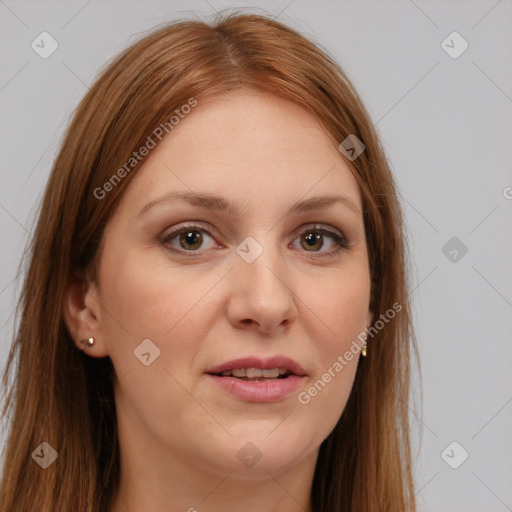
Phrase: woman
(215, 313)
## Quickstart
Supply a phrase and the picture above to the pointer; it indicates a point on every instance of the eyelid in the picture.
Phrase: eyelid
(192, 225)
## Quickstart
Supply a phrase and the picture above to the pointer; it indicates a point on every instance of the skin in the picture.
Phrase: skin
(179, 432)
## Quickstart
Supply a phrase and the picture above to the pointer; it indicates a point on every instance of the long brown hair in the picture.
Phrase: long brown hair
(65, 398)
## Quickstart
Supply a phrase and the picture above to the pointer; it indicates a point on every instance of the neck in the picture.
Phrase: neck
(188, 489)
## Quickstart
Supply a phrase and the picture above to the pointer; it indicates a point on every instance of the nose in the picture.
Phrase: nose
(261, 294)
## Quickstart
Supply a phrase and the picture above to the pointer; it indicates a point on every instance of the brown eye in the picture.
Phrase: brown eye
(319, 237)
(312, 242)
(190, 239)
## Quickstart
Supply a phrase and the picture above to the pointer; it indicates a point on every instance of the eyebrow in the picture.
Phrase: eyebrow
(221, 204)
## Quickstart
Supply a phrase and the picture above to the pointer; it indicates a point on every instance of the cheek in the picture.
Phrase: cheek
(337, 313)
(144, 301)
(324, 399)
(173, 310)
(338, 348)
(340, 304)
(149, 299)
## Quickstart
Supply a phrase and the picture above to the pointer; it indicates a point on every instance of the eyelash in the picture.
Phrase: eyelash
(342, 244)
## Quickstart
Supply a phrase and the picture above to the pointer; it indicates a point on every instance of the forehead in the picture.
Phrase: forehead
(248, 146)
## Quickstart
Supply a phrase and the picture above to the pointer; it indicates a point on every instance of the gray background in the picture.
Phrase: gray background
(446, 125)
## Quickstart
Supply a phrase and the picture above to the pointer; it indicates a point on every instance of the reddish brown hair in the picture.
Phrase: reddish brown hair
(63, 397)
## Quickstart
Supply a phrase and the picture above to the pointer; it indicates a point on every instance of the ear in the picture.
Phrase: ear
(82, 314)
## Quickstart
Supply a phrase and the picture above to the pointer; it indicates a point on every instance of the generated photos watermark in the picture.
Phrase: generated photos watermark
(305, 397)
(151, 142)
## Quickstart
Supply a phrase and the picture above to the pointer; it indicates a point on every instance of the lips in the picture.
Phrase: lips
(285, 365)
(252, 387)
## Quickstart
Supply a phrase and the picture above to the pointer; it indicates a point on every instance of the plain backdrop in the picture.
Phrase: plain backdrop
(445, 118)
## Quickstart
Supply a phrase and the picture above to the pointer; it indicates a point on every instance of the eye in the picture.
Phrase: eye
(188, 239)
(313, 239)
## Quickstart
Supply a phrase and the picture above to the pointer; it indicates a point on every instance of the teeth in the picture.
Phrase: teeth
(255, 373)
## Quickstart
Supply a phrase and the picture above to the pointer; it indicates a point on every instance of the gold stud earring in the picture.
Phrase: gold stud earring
(87, 343)
(364, 351)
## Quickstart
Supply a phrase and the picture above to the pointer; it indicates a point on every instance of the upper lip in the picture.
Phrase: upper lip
(262, 363)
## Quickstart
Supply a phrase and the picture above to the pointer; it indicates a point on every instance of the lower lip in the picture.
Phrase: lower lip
(270, 391)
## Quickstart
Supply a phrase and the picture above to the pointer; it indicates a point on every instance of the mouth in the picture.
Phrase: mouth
(253, 379)
(254, 368)
(256, 374)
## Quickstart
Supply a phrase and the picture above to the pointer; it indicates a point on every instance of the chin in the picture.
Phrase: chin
(258, 455)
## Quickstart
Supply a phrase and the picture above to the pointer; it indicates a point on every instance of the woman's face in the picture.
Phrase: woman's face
(186, 285)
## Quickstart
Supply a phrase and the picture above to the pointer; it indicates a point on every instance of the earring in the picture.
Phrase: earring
(87, 343)
(363, 352)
